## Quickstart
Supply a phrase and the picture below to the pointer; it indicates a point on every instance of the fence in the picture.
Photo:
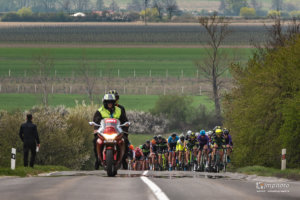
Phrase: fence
(120, 73)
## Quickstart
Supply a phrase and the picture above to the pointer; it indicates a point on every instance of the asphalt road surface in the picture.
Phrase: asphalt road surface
(142, 185)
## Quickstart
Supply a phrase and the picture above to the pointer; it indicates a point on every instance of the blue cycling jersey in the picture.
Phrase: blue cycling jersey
(171, 141)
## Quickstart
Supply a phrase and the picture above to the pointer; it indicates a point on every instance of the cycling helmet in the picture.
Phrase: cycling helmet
(209, 133)
(219, 132)
(216, 127)
(193, 135)
(115, 93)
(131, 147)
(141, 146)
(181, 137)
(173, 135)
(108, 98)
(226, 132)
(189, 132)
(148, 142)
(202, 132)
(159, 137)
(155, 137)
(197, 134)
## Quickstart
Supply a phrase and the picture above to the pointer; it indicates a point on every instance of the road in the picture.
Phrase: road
(130, 185)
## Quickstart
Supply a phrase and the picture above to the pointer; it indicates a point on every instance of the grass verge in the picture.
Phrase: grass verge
(28, 171)
(293, 174)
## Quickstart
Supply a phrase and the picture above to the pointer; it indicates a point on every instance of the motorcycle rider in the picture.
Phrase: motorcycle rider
(107, 110)
(125, 128)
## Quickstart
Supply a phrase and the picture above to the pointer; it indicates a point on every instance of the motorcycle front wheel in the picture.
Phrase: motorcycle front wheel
(110, 163)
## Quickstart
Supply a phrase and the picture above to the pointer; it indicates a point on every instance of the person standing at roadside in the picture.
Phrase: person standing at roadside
(30, 138)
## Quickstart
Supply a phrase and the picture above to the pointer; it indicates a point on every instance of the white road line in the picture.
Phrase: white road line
(145, 173)
(159, 194)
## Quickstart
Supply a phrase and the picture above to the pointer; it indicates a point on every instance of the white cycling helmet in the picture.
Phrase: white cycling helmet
(189, 132)
(209, 133)
(197, 134)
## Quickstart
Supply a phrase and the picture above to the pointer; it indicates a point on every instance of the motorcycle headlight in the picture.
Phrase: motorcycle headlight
(110, 137)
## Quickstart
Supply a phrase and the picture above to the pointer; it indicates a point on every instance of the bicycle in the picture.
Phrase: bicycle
(163, 161)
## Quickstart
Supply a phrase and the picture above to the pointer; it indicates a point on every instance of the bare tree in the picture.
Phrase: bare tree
(215, 63)
(44, 65)
(88, 74)
(171, 6)
(158, 4)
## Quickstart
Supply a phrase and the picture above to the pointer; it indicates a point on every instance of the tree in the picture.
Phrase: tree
(233, 7)
(171, 6)
(25, 12)
(277, 4)
(215, 64)
(247, 12)
(100, 5)
(88, 74)
(158, 4)
(43, 67)
(222, 6)
(114, 6)
(256, 5)
(263, 109)
(135, 5)
(65, 5)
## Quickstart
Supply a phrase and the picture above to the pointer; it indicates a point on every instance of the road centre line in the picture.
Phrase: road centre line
(159, 194)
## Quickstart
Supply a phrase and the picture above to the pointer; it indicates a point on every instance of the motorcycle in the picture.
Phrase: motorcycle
(110, 144)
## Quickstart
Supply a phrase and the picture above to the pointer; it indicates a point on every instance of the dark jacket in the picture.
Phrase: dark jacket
(97, 117)
(28, 133)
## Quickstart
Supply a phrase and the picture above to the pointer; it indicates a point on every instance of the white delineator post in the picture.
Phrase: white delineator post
(283, 159)
(13, 159)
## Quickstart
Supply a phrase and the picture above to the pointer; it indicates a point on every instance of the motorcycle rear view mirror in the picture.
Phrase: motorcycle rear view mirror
(125, 124)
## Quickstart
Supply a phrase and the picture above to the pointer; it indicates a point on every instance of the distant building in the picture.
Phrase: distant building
(79, 14)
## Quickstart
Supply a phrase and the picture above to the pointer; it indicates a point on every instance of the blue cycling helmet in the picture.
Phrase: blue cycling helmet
(202, 132)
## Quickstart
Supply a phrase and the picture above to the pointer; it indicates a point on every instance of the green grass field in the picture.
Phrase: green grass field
(108, 61)
(12, 102)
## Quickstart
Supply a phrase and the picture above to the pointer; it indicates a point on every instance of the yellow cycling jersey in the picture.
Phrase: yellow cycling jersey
(179, 146)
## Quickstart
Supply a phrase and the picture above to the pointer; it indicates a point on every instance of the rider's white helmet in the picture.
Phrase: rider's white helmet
(189, 132)
(197, 134)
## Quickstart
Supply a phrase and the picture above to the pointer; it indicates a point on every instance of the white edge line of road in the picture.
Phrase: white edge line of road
(159, 194)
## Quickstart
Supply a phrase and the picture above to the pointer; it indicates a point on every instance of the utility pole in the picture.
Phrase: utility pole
(146, 4)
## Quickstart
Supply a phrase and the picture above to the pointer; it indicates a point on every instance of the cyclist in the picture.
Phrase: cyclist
(172, 142)
(191, 145)
(153, 152)
(228, 142)
(162, 148)
(130, 155)
(180, 149)
(137, 157)
(188, 133)
(146, 151)
(203, 146)
(218, 142)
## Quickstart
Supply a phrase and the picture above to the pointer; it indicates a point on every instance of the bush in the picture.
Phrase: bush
(23, 12)
(247, 12)
(273, 13)
(176, 108)
(144, 122)
(295, 14)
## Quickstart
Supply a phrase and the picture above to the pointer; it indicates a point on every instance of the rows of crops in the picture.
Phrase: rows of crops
(125, 34)
(115, 62)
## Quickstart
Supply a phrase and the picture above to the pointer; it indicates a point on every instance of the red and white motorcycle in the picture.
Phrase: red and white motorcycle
(110, 144)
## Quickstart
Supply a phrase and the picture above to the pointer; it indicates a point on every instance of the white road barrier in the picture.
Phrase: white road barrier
(159, 194)
(13, 159)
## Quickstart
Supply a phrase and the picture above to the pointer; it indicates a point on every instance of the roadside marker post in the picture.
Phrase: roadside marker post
(13, 159)
(283, 159)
